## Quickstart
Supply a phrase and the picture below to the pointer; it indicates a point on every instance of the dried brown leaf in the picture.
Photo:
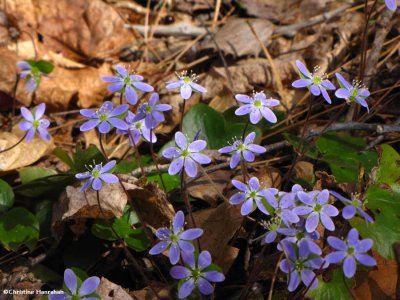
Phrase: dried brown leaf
(25, 154)
(304, 170)
(219, 225)
(108, 290)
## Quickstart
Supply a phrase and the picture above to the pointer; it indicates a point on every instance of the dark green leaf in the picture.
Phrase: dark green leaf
(44, 66)
(18, 227)
(6, 196)
(64, 157)
(51, 185)
(89, 156)
(171, 182)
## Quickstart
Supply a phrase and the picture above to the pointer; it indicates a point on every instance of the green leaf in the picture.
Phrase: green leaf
(309, 148)
(6, 196)
(171, 181)
(336, 289)
(135, 238)
(30, 174)
(44, 66)
(383, 199)
(211, 123)
(215, 129)
(64, 157)
(18, 227)
(344, 154)
(388, 171)
(50, 185)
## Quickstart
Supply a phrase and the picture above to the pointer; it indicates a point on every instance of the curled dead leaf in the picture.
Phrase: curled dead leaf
(108, 290)
(304, 170)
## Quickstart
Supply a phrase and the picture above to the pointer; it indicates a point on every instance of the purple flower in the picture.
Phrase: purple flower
(283, 208)
(32, 75)
(355, 92)
(106, 117)
(175, 239)
(251, 195)
(391, 4)
(196, 274)
(127, 84)
(137, 129)
(97, 175)
(300, 265)
(187, 85)
(351, 251)
(35, 122)
(316, 82)
(243, 150)
(291, 197)
(274, 228)
(87, 287)
(352, 207)
(297, 234)
(152, 112)
(186, 155)
(317, 209)
(257, 106)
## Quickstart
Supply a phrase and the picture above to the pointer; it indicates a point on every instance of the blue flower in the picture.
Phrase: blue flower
(186, 83)
(152, 112)
(106, 117)
(127, 84)
(355, 92)
(314, 81)
(97, 175)
(257, 106)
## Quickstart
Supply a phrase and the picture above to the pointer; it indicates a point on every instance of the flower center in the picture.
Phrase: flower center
(138, 125)
(103, 117)
(355, 203)
(350, 250)
(149, 109)
(95, 173)
(36, 123)
(127, 80)
(318, 207)
(258, 103)
(241, 147)
(196, 273)
(174, 238)
(298, 265)
(186, 80)
(317, 80)
(253, 194)
(185, 153)
(299, 235)
(354, 92)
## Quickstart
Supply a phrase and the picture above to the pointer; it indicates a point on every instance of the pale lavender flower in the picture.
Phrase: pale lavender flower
(316, 82)
(97, 175)
(283, 208)
(243, 150)
(350, 251)
(251, 195)
(136, 129)
(355, 92)
(176, 239)
(300, 265)
(152, 111)
(291, 197)
(316, 209)
(257, 106)
(87, 287)
(186, 155)
(391, 4)
(274, 228)
(297, 234)
(32, 75)
(127, 84)
(106, 117)
(352, 207)
(196, 273)
(186, 83)
(35, 122)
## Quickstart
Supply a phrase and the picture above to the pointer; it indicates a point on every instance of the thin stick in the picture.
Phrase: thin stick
(153, 156)
(271, 289)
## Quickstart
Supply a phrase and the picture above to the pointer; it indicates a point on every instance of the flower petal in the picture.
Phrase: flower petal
(186, 91)
(70, 280)
(349, 266)
(26, 114)
(190, 167)
(89, 125)
(89, 286)
(176, 166)
(179, 272)
(131, 95)
(302, 68)
(198, 87)
(204, 286)
(186, 288)
(204, 260)
(302, 83)
(197, 146)
(214, 276)
(178, 221)
(312, 222)
(191, 234)
(159, 248)
(335, 257)
(342, 93)
(180, 140)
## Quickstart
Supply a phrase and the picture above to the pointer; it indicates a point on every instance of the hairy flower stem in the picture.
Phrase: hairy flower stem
(301, 149)
(15, 145)
(138, 156)
(245, 129)
(182, 114)
(185, 196)
(245, 172)
(154, 157)
(102, 148)
(126, 250)
(120, 98)
(14, 100)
